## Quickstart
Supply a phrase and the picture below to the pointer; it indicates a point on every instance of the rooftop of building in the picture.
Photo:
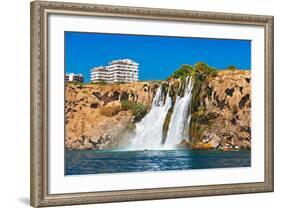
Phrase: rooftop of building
(73, 74)
(117, 61)
(123, 61)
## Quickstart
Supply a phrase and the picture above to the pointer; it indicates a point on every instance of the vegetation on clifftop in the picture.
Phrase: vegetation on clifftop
(199, 71)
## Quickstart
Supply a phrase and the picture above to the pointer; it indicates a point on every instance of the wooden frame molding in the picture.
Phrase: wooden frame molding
(39, 103)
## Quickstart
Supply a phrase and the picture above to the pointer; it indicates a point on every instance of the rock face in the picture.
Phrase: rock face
(94, 116)
(97, 118)
(221, 116)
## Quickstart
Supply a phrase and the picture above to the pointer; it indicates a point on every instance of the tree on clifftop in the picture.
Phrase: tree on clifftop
(231, 67)
(184, 71)
(200, 71)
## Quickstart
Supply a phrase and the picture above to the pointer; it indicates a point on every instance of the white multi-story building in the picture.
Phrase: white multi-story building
(71, 77)
(99, 74)
(123, 70)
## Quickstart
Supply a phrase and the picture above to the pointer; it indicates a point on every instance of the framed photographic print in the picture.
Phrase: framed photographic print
(144, 103)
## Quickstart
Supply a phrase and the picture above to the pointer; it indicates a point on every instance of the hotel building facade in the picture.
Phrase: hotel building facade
(122, 70)
(71, 77)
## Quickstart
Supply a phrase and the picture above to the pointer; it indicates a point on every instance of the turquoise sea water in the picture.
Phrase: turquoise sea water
(108, 161)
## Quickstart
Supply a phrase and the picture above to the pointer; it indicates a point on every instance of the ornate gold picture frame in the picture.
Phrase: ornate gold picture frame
(40, 84)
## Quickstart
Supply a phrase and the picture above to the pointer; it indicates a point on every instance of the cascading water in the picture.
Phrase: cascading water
(149, 131)
(181, 117)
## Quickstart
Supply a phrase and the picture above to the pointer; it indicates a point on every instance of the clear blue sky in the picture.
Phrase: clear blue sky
(157, 56)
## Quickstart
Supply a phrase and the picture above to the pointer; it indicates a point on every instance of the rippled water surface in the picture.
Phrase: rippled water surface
(100, 161)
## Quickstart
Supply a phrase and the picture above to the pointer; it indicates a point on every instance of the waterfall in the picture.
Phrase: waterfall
(149, 130)
(181, 117)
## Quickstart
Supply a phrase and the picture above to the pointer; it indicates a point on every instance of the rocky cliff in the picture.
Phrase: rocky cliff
(221, 114)
(98, 115)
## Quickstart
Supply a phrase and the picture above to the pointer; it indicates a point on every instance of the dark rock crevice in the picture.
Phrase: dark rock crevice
(243, 101)
(229, 91)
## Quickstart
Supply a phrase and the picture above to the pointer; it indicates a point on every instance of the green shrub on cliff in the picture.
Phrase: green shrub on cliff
(199, 71)
(139, 110)
(231, 67)
(203, 70)
(184, 71)
(99, 83)
(127, 105)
